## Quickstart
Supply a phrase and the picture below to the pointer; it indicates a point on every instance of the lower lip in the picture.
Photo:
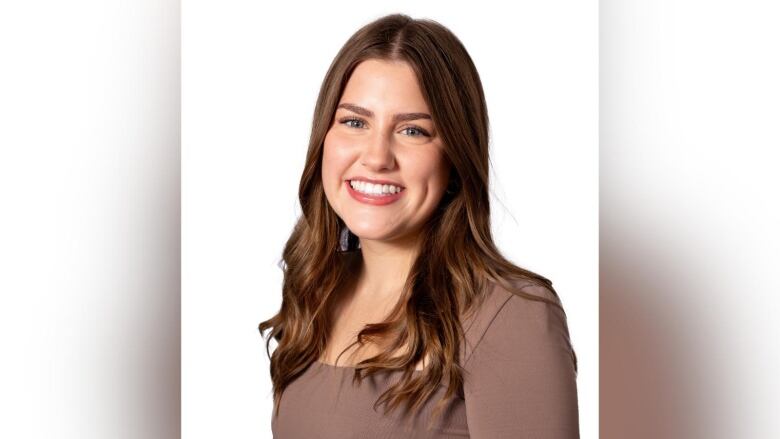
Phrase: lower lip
(376, 200)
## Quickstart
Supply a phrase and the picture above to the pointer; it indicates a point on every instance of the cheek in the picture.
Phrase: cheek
(435, 171)
(327, 159)
(334, 159)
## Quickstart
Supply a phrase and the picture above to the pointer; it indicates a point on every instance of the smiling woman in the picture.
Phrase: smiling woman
(390, 147)
(393, 262)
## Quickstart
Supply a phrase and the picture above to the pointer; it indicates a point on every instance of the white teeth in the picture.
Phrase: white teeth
(374, 189)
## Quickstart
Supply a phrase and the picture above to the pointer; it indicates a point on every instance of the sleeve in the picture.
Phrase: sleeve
(521, 377)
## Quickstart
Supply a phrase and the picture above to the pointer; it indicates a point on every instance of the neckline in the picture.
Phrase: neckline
(352, 368)
(333, 366)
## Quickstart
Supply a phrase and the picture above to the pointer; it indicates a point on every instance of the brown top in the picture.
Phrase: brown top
(520, 382)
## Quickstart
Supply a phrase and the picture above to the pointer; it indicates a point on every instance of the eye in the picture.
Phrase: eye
(348, 121)
(419, 131)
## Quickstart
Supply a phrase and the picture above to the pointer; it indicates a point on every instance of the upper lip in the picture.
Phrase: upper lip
(375, 181)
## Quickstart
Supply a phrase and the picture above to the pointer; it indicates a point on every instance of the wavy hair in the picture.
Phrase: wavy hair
(457, 257)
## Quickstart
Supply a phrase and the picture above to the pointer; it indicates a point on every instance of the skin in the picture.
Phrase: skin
(377, 147)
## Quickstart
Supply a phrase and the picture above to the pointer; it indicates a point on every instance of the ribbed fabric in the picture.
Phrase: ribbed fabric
(520, 383)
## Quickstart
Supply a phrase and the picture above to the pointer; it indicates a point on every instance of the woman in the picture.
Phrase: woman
(394, 293)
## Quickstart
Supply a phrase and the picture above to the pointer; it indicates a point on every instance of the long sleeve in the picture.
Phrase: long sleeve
(521, 380)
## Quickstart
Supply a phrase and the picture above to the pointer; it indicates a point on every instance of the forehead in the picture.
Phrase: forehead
(381, 86)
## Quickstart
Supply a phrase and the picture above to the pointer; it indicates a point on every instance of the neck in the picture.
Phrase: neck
(384, 267)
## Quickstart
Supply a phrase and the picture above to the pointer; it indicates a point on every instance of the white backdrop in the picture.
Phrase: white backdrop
(89, 219)
(89, 211)
(251, 73)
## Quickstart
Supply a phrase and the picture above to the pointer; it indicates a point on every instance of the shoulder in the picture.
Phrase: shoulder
(520, 370)
(521, 311)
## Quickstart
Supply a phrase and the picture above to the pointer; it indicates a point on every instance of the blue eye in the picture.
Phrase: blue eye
(348, 120)
(355, 122)
(420, 131)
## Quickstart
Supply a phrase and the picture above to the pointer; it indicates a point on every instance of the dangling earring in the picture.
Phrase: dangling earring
(348, 241)
(344, 239)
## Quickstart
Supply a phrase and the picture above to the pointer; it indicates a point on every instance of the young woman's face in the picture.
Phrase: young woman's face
(383, 132)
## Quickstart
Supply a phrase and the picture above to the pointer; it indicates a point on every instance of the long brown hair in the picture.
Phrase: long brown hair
(457, 257)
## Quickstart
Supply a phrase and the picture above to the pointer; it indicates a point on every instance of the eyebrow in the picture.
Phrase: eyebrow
(400, 117)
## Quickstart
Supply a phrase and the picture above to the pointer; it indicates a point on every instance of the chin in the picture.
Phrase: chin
(370, 235)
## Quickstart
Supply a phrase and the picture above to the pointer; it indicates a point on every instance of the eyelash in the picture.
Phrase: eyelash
(357, 119)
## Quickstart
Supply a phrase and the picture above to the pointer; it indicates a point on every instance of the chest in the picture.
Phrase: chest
(347, 320)
(324, 403)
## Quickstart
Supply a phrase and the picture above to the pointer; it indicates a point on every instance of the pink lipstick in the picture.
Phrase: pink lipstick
(373, 199)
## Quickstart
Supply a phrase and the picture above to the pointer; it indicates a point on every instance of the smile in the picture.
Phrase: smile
(377, 195)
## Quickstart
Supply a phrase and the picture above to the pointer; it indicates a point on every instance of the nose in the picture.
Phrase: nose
(378, 152)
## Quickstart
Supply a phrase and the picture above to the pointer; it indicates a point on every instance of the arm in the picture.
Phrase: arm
(521, 380)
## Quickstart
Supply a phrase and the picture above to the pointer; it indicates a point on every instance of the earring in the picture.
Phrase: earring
(344, 239)
(348, 241)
